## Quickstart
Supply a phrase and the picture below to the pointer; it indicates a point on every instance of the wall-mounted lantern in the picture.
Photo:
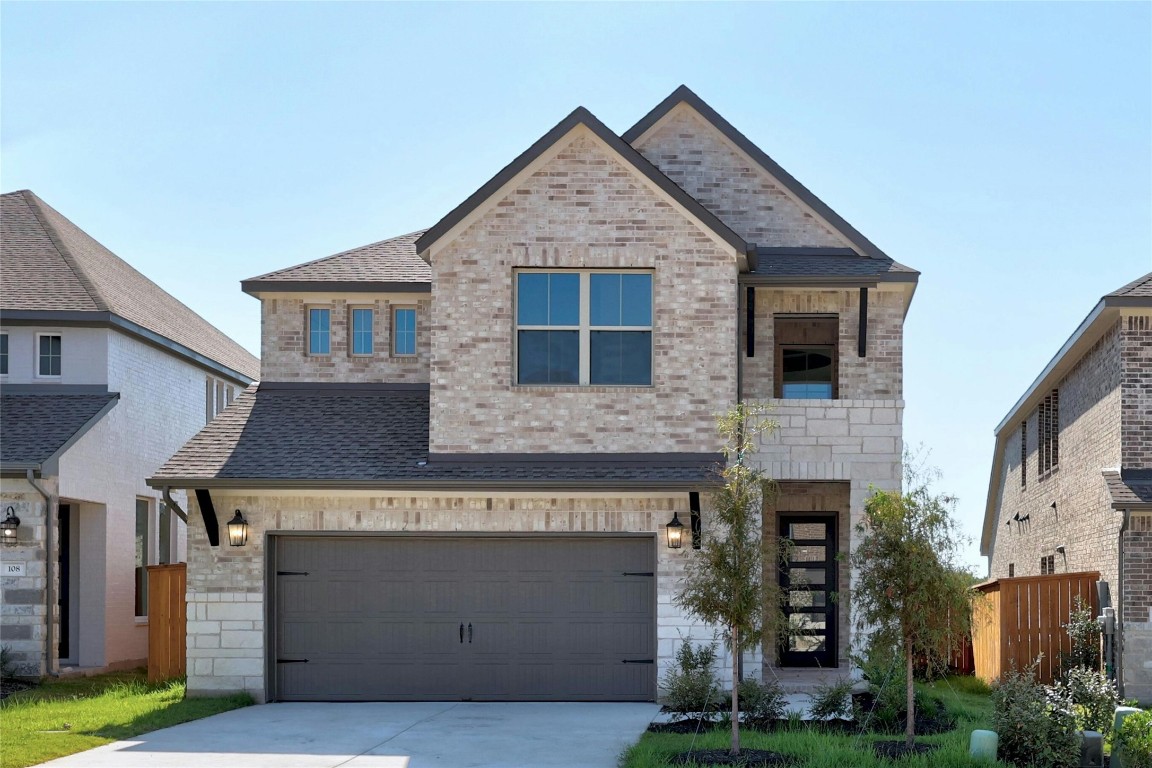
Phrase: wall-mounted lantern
(238, 530)
(9, 526)
(675, 532)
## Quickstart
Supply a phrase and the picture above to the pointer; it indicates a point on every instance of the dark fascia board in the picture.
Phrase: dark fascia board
(581, 116)
(340, 386)
(787, 251)
(573, 486)
(8, 468)
(1128, 302)
(685, 94)
(105, 319)
(256, 286)
(800, 281)
(580, 459)
(55, 389)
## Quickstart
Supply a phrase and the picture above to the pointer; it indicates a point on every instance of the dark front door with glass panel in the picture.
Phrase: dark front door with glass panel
(808, 580)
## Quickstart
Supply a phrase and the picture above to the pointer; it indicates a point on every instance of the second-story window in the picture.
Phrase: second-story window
(806, 357)
(3, 354)
(1024, 454)
(1048, 428)
(404, 331)
(584, 327)
(319, 332)
(361, 331)
(49, 354)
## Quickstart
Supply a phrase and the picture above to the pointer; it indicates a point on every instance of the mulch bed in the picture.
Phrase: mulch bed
(9, 687)
(894, 750)
(753, 758)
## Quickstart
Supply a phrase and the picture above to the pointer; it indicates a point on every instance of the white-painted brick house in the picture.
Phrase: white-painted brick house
(103, 375)
(460, 466)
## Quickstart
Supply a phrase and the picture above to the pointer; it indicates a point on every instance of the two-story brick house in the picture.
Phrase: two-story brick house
(1071, 483)
(459, 469)
(103, 375)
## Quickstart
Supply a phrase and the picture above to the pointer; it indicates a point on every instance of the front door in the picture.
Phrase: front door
(808, 580)
(64, 597)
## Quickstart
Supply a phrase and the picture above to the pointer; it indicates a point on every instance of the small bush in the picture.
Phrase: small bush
(762, 700)
(883, 667)
(832, 700)
(1035, 724)
(7, 663)
(691, 686)
(1084, 633)
(1135, 739)
(1093, 696)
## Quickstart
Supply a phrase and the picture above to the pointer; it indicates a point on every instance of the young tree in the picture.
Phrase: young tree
(908, 589)
(724, 582)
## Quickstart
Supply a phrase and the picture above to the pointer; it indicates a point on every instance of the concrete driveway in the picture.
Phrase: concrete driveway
(386, 735)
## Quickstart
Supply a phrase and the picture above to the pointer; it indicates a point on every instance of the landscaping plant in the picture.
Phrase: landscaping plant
(724, 581)
(909, 591)
(1135, 740)
(1036, 728)
(831, 700)
(762, 700)
(1094, 698)
(1084, 632)
(691, 686)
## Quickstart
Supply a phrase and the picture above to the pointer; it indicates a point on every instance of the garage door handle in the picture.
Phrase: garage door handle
(461, 631)
(469, 633)
(638, 661)
(291, 661)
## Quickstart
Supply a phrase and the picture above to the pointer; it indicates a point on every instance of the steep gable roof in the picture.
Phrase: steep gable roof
(388, 265)
(581, 116)
(785, 180)
(51, 265)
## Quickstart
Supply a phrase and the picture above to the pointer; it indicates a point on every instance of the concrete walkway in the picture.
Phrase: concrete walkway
(386, 735)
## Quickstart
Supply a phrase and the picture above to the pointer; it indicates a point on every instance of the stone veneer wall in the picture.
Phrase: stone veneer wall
(726, 181)
(226, 610)
(284, 338)
(1137, 609)
(878, 376)
(23, 610)
(581, 209)
(1084, 521)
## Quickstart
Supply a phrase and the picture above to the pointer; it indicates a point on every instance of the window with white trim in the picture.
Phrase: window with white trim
(49, 347)
(361, 331)
(403, 331)
(584, 327)
(319, 331)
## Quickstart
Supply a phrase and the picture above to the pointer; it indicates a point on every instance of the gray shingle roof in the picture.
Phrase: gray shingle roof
(1141, 286)
(370, 437)
(389, 263)
(1130, 489)
(39, 425)
(773, 263)
(48, 263)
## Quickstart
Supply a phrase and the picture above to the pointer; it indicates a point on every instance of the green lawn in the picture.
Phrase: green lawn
(62, 717)
(814, 749)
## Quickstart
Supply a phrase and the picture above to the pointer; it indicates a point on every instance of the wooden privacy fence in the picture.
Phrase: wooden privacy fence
(1017, 620)
(167, 621)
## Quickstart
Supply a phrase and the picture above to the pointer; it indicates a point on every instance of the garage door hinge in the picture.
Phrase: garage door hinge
(639, 573)
(638, 661)
(291, 573)
(291, 661)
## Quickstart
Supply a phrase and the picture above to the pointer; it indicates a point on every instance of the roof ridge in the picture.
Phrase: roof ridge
(1125, 289)
(344, 252)
(36, 206)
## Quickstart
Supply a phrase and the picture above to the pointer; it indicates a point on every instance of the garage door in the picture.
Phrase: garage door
(484, 619)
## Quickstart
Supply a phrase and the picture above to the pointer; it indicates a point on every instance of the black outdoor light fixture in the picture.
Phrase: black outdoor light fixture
(8, 526)
(675, 532)
(238, 530)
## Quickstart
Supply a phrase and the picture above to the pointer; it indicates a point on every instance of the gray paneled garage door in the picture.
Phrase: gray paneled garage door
(481, 618)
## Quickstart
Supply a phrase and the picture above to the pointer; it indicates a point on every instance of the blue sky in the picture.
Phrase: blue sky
(1005, 150)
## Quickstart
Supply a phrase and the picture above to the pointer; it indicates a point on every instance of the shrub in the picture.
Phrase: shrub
(1093, 696)
(691, 685)
(7, 663)
(883, 667)
(1084, 633)
(762, 700)
(1135, 739)
(832, 700)
(1035, 724)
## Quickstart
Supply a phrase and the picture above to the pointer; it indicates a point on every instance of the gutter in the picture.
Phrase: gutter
(172, 505)
(51, 506)
(1118, 650)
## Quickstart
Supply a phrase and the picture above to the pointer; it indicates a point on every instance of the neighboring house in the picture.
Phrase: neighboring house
(460, 465)
(1071, 483)
(102, 376)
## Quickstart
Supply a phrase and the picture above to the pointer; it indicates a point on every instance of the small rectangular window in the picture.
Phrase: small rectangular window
(1024, 454)
(806, 357)
(3, 354)
(1011, 570)
(1047, 565)
(49, 357)
(143, 509)
(1048, 429)
(403, 331)
(361, 332)
(319, 332)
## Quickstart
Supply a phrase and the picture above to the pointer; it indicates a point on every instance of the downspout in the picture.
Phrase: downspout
(1118, 647)
(172, 505)
(51, 506)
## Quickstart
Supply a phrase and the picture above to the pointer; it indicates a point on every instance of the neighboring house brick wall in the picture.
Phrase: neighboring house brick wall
(582, 209)
(729, 184)
(284, 339)
(878, 375)
(1090, 410)
(1136, 384)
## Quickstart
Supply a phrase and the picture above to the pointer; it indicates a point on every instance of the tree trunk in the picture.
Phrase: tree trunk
(735, 691)
(910, 729)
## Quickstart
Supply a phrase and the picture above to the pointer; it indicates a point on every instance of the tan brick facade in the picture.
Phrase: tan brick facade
(580, 210)
(284, 338)
(727, 182)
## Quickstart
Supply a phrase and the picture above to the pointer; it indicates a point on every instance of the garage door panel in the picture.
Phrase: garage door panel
(379, 618)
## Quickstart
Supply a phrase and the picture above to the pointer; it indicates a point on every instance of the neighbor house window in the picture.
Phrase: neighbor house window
(49, 354)
(404, 331)
(1048, 565)
(584, 327)
(143, 512)
(806, 357)
(1048, 428)
(1011, 570)
(3, 354)
(217, 397)
(1024, 454)
(319, 331)
(361, 331)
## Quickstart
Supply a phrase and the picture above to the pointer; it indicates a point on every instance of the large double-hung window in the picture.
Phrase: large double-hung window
(584, 327)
